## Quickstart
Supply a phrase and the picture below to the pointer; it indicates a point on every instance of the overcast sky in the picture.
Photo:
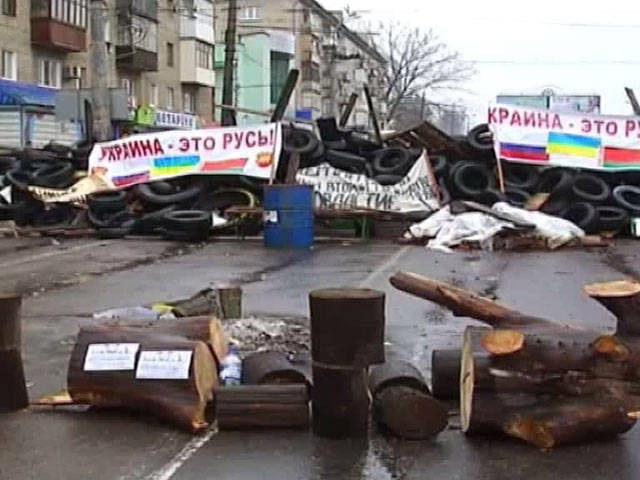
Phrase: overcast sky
(574, 47)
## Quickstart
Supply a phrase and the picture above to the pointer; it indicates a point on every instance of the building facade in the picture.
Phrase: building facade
(277, 35)
(160, 51)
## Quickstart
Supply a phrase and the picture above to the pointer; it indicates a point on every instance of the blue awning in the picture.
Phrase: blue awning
(20, 93)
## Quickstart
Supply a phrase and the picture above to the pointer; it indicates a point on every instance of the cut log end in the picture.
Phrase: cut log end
(502, 342)
(531, 431)
(618, 288)
(612, 347)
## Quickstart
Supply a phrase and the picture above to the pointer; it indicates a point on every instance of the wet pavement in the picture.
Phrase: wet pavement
(64, 283)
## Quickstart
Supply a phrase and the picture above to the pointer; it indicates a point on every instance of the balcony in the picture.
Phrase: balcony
(137, 46)
(60, 26)
(143, 8)
(197, 63)
(197, 21)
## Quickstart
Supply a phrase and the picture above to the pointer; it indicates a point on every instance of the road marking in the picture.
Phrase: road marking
(192, 446)
(54, 253)
(384, 266)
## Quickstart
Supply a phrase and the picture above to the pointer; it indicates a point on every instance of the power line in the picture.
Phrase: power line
(559, 62)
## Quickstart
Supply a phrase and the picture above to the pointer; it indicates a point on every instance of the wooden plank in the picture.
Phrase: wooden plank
(285, 95)
(344, 118)
(373, 116)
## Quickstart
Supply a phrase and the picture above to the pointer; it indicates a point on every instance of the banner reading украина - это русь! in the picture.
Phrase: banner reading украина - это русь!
(250, 151)
(545, 137)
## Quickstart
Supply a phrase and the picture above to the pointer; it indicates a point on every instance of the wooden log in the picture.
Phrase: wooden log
(13, 389)
(402, 403)
(347, 326)
(396, 373)
(207, 329)
(622, 298)
(464, 303)
(260, 406)
(183, 402)
(340, 401)
(445, 373)
(271, 368)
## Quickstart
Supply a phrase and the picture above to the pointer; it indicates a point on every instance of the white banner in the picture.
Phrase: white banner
(545, 137)
(338, 189)
(250, 151)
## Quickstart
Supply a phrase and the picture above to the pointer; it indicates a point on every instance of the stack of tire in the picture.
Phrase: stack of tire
(596, 202)
(348, 151)
(178, 210)
(50, 167)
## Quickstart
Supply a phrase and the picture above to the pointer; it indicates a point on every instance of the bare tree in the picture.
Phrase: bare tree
(419, 64)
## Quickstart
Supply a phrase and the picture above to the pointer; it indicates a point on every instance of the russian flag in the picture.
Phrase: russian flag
(517, 151)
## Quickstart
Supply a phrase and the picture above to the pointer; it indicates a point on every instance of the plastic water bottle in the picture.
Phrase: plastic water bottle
(231, 368)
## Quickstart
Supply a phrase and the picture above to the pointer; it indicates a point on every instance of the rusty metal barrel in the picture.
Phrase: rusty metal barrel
(347, 335)
(13, 389)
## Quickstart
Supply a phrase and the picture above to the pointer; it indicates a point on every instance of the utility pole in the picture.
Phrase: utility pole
(99, 74)
(228, 117)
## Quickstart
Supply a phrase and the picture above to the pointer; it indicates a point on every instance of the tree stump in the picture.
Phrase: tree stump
(445, 373)
(13, 389)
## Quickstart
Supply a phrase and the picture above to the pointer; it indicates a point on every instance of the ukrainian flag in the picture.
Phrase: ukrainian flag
(174, 165)
(574, 145)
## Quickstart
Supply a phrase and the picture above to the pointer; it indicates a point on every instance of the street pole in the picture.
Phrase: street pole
(229, 60)
(99, 73)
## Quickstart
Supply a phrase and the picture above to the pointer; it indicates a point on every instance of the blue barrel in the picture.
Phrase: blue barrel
(288, 216)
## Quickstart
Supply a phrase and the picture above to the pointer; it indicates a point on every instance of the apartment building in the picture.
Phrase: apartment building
(276, 35)
(160, 51)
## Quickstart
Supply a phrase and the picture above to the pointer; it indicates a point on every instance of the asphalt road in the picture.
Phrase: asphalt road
(64, 283)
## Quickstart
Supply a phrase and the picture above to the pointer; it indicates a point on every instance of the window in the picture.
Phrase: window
(9, 67)
(204, 54)
(153, 94)
(129, 87)
(250, 13)
(189, 102)
(9, 7)
(279, 72)
(74, 76)
(170, 99)
(72, 12)
(50, 73)
(169, 54)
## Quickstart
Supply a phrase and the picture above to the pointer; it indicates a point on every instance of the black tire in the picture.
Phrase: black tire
(185, 236)
(110, 233)
(489, 197)
(391, 161)
(517, 197)
(107, 202)
(162, 188)
(582, 214)
(340, 145)
(388, 179)
(628, 197)
(8, 163)
(439, 165)
(57, 215)
(522, 177)
(19, 179)
(297, 140)
(556, 204)
(109, 219)
(555, 180)
(590, 188)
(29, 155)
(56, 175)
(26, 211)
(471, 179)
(58, 149)
(148, 223)
(612, 219)
(187, 221)
(346, 161)
(8, 210)
(480, 138)
(314, 158)
(224, 198)
(190, 193)
(360, 144)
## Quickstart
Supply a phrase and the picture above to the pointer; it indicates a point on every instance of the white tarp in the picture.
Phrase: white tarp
(342, 190)
(448, 230)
